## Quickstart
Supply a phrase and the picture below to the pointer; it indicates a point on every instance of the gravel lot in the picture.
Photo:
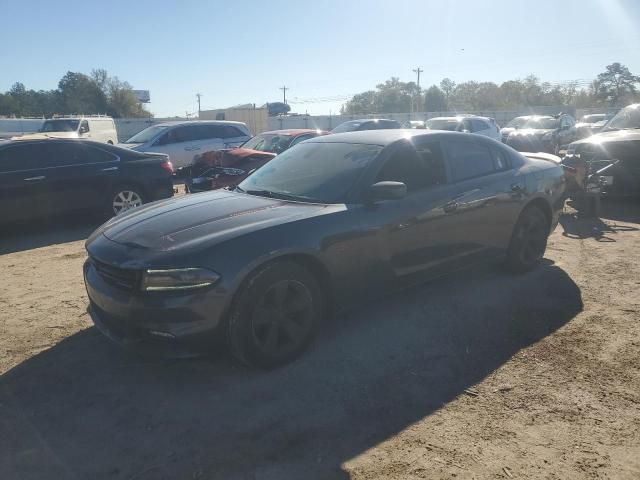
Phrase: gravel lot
(479, 375)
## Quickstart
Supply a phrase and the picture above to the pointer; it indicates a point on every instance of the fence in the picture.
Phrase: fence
(128, 127)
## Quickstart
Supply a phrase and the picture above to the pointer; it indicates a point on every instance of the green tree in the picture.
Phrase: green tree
(435, 100)
(79, 94)
(392, 96)
(447, 86)
(616, 85)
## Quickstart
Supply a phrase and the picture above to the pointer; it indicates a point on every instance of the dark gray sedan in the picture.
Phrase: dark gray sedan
(333, 220)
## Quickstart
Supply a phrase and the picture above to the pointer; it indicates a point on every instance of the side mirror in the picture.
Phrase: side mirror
(386, 191)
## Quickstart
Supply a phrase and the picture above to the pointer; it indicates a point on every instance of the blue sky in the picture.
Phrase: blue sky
(243, 51)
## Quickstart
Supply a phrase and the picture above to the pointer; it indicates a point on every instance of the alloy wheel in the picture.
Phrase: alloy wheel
(533, 239)
(283, 318)
(124, 200)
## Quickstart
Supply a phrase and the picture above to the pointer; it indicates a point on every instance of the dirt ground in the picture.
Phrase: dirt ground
(478, 375)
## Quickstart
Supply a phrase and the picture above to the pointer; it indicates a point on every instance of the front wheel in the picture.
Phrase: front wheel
(275, 315)
(528, 240)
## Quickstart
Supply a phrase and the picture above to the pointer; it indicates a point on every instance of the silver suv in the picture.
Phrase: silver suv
(183, 140)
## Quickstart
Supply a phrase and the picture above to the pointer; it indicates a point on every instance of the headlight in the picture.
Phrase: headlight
(177, 279)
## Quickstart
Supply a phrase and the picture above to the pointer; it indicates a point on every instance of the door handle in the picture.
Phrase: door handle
(452, 206)
(109, 169)
(34, 179)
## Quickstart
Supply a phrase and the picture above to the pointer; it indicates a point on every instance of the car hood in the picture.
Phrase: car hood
(205, 218)
(613, 136)
(248, 152)
(130, 146)
(43, 136)
(532, 131)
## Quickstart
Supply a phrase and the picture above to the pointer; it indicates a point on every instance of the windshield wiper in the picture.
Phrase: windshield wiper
(280, 195)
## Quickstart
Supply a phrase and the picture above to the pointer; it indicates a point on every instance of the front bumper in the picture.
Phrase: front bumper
(167, 323)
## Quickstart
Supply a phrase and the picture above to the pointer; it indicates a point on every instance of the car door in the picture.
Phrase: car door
(484, 199)
(177, 143)
(410, 238)
(24, 189)
(79, 176)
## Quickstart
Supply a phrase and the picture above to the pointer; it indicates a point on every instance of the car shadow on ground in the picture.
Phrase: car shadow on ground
(604, 228)
(86, 409)
(18, 237)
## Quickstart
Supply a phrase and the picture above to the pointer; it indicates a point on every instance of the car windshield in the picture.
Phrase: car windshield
(592, 118)
(269, 142)
(147, 134)
(517, 122)
(313, 172)
(442, 124)
(542, 123)
(347, 127)
(628, 117)
(60, 126)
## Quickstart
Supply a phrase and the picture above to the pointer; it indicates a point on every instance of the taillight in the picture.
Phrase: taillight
(167, 165)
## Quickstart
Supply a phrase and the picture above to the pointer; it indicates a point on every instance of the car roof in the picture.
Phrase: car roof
(197, 122)
(383, 137)
(294, 132)
(370, 120)
(461, 117)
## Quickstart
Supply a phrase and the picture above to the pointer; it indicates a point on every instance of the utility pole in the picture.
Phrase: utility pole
(198, 95)
(284, 89)
(418, 71)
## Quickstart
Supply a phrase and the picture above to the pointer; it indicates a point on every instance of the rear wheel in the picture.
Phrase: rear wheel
(275, 316)
(125, 197)
(528, 240)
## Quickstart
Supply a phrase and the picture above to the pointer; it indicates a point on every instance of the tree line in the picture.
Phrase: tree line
(615, 87)
(77, 93)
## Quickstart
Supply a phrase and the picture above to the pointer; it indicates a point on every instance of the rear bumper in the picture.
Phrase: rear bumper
(161, 189)
(169, 324)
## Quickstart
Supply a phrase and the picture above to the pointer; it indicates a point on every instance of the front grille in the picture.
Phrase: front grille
(126, 279)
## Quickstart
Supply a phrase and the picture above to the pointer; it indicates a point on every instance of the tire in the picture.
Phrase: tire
(128, 196)
(528, 240)
(275, 316)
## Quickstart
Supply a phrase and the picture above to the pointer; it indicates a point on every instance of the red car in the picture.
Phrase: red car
(227, 168)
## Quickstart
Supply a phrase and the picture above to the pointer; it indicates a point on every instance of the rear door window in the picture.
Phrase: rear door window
(21, 157)
(469, 160)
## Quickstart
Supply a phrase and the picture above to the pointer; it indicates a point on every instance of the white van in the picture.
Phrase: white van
(96, 127)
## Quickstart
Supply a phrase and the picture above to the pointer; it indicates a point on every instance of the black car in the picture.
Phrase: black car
(543, 133)
(618, 142)
(46, 177)
(366, 124)
(333, 220)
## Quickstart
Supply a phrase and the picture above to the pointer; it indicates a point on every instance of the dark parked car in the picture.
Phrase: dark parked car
(47, 177)
(512, 126)
(544, 133)
(591, 124)
(366, 124)
(228, 167)
(330, 221)
(618, 142)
